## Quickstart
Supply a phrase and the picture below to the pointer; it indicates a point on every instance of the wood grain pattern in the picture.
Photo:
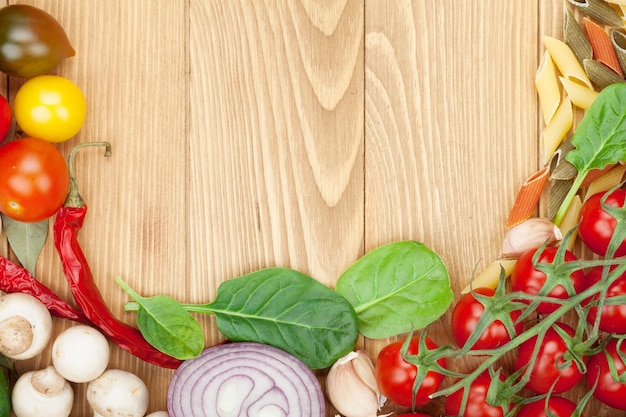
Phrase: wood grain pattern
(249, 134)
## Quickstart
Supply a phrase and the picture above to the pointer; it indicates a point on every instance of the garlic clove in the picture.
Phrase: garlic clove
(351, 386)
(530, 234)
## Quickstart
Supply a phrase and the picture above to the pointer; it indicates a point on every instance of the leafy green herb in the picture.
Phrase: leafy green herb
(600, 139)
(5, 394)
(26, 240)
(396, 287)
(166, 325)
(276, 306)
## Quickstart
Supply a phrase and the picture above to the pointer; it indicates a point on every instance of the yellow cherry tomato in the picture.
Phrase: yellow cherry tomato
(50, 107)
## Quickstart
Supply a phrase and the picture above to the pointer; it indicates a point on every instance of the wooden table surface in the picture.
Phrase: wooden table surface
(256, 133)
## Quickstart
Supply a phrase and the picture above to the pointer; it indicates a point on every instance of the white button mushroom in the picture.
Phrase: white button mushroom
(158, 414)
(42, 393)
(25, 326)
(118, 393)
(80, 353)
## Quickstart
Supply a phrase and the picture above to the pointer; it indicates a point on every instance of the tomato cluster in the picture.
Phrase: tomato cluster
(562, 318)
(46, 109)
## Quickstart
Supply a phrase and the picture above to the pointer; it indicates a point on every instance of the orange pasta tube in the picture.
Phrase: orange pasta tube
(528, 197)
(602, 46)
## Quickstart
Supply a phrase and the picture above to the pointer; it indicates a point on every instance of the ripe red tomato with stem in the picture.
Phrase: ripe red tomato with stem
(34, 179)
(597, 226)
(613, 316)
(557, 406)
(477, 405)
(468, 312)
(552, 368)
(395, 376)
(530, 280)
(608, 390)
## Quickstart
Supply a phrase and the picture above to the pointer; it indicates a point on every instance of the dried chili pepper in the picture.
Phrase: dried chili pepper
(14, 278)
(69, 220)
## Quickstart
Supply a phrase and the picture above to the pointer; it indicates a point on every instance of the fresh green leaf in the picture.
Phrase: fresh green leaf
(286, 309)
(396, 287)
(599, 139)
(166, 325)
(5, 394)
(26, 240)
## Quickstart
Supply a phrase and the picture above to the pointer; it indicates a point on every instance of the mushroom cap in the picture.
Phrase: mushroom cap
(23, 319)
(118, 393)
(80, 353)
(42, 393)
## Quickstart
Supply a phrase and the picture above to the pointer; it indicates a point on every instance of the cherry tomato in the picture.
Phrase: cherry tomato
(597, 226)
(395, 376)
(34, 179)
(608, 390)
(477, 405)
(613, 317)
(466, 314)
(549, 366)
(50, 107)
(6, 118)
(558, 407)
(526, 278)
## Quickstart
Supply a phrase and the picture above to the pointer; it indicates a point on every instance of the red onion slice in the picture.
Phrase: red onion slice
(244, 379)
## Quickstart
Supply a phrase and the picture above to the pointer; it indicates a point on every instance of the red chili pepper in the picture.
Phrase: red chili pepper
(14, 278)
(69, 220)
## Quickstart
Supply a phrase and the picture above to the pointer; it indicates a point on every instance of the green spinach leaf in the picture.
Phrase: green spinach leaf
(286, 309)
(166, 325)
(396, 287)
(599, 139)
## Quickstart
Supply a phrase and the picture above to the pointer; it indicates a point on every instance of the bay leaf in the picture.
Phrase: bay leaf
(26, 240)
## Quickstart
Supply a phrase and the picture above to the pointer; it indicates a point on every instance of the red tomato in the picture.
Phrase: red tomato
(558, 407)
(526, 278)
(395, 376)
(6, 118)
(549, 365)
(597, 226)
(613, 317)
(477, 405)
(466, 314)
(34, 179)
(608, 390)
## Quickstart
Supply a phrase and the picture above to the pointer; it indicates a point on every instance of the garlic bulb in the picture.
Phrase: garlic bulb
(529, 234)
(351, 386)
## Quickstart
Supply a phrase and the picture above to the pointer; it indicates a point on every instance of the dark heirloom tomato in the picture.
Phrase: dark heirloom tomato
(466, 314)
(528, 279)
(608, 390)
(34, 179)
(32, 42)
(613, 317)
(557, 406)
(597, 226)
(395, 376)
(550, 369)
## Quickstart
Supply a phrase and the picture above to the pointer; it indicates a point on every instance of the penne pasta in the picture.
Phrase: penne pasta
(557, 129)
(602, 46)
(528, 197)
(490, 276)
(600, 11)
(547, 86)
(608, 179)
(560, 167)
(618, 2)
(566, 61)
(558, 191)
(594, 174)
(580, 95)
(571, 220)
(618, 40)
(575, 38)
(601, 75)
